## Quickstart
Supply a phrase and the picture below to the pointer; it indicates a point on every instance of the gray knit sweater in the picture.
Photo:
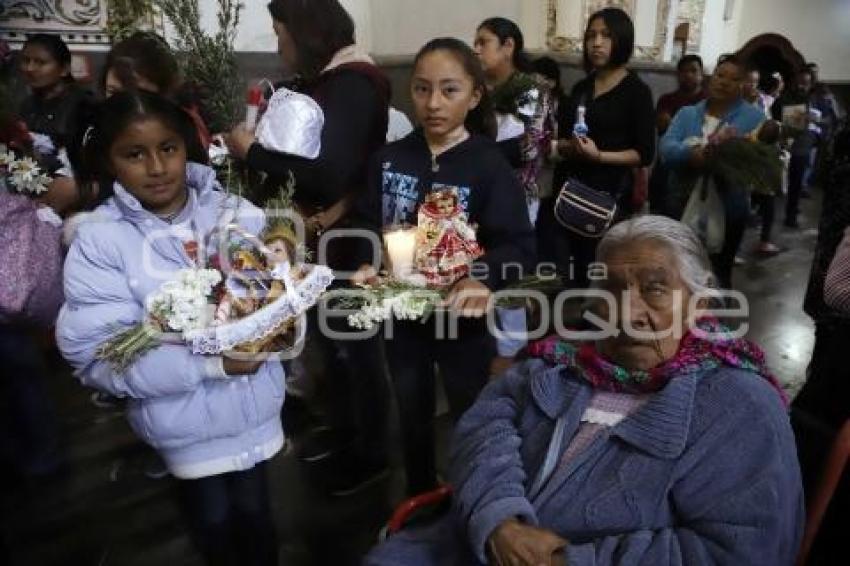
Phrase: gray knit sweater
(704, 473)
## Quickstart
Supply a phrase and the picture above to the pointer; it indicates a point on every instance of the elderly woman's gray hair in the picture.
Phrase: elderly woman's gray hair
(694, 265)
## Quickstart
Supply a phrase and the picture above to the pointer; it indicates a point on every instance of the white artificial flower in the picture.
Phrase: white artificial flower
(403, 305)
(26, 177)
(25, 168)
(182, 303)
(36, 185)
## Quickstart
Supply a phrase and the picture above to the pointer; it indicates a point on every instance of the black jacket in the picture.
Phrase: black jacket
(354, 99)
(402, 173)
(58, 117)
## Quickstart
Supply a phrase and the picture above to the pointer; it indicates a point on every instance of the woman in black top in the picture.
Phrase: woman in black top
(620, 137)
(316, 43)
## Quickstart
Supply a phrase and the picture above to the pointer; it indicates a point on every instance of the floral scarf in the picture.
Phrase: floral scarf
(696, 354)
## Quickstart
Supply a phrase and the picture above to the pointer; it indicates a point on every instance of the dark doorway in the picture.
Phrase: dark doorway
(771, 53)
(769, 60)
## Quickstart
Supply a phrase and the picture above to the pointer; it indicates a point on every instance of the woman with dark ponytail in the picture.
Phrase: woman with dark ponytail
(522, 103)
(316, 43)
(451, 155)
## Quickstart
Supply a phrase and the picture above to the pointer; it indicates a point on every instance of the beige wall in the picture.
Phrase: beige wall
(397, 27)
(403, 26)
(819, 28)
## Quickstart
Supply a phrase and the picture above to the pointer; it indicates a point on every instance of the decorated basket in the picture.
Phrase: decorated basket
(267, 321)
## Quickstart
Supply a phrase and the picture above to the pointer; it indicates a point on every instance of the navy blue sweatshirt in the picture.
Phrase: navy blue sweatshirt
(402, 173)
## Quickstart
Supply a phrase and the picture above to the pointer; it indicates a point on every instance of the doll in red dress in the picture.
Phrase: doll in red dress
(446, 244)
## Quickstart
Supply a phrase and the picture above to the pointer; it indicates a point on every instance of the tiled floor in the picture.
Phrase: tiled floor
(775, 288)
(104, 511)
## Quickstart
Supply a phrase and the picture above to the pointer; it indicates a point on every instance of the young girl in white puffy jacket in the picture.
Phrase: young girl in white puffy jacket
(214, 420)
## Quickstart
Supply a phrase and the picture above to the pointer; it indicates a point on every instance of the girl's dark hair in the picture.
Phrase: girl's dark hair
(688, 59)
(54, 45)
(147, 55)
(550, 69)
(112, 117)
(481, 119)
(622, 31)
(505, 29)
(319, 28)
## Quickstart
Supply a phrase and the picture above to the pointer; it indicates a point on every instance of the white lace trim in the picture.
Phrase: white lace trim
(264, 322)
(606, 418)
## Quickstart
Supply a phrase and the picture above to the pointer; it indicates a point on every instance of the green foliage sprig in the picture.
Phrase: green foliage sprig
(123, 17)
(746, 164)
(209, 61)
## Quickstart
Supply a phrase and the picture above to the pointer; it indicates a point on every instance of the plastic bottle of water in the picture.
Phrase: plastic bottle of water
(580, 128)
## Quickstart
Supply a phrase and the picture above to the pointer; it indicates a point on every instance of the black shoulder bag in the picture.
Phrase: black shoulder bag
(583, 209)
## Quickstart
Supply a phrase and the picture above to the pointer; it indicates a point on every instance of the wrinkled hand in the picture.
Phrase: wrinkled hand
(469, 297)
(515, 544)
(239, 141)
(232, 366)
(586, 149)
(366, 275)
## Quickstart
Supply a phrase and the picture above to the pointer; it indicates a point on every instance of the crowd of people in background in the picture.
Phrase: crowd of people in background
(538, 473)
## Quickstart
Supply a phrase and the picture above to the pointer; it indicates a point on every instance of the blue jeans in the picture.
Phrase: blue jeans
(230, 518)
(29, 436)
(464, 365)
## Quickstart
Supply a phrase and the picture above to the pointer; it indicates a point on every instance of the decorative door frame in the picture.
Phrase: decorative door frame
(78, 22)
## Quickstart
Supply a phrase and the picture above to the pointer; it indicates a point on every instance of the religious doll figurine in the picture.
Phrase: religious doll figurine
(241, 295)
(260, 276)
(279, 250)
(446, 244)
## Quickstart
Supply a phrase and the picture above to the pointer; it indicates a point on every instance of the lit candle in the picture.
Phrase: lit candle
(401, 248)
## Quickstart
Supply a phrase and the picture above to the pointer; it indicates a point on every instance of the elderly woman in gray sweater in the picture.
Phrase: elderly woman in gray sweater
(660, 440)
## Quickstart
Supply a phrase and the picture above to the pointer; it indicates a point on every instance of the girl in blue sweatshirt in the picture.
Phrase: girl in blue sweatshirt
(452, 148)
